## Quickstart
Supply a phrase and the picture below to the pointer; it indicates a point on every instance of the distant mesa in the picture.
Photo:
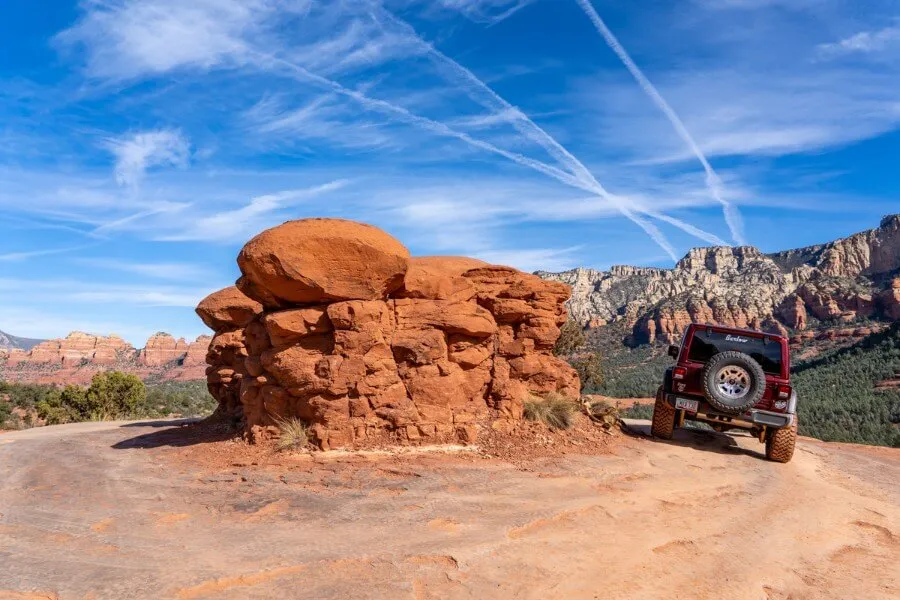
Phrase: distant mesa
(334, 323)
(75, 358)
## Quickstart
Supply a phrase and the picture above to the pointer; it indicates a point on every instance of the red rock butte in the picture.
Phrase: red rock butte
(333, 323)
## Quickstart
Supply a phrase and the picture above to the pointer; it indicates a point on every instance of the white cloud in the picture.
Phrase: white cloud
(44, 324)
(127, 38)
(489, 12)
(89, 292)
(240, 223)
(24, 255)
(864, 42)
(533, 259)
(161, 270)
(749, 113)
(325, 119)
(137, 152)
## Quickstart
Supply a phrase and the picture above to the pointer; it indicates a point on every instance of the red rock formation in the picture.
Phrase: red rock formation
(162, 349)
(196, 352)
(77, 357)
(78, 347)
(421, 348)
(832, 283)
(890, 300)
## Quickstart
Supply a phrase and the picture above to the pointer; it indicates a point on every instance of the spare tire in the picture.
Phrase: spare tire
(733, 382)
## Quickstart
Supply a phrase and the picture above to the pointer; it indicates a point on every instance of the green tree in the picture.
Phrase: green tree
(571, 338)
(113, 395)
(590, 370)
(54, 411)
(5, 412)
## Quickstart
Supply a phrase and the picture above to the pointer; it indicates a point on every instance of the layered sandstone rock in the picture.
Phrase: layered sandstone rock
(357, 339)
(890, 300)
(78, 347)
(741, 287)
(161, 349)
(75, 358)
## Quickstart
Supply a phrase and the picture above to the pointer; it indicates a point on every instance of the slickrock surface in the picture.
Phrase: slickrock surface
(833, 283)
(361, 341)
(152, 511)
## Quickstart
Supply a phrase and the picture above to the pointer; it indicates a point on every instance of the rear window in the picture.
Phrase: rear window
(764, 351)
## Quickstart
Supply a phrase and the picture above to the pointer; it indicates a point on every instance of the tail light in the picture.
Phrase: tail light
(679, 373)
(784, 392)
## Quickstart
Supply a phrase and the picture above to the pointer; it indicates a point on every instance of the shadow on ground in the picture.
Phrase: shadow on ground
(164, 422)
(706, 441)
(180, 433)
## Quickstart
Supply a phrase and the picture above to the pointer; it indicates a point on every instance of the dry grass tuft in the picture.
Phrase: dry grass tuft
(292, 434)
(555, 411)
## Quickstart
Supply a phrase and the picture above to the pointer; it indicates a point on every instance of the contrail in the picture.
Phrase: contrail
(687, 227)
(534, 132)
(442, 129)
(713, 182)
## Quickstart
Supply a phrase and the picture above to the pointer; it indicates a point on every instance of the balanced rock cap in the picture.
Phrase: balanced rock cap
(313, 261)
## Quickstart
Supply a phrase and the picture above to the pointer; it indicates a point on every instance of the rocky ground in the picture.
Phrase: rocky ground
(153, 510)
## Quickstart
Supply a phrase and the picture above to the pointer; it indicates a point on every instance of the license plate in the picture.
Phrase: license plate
(688, 405)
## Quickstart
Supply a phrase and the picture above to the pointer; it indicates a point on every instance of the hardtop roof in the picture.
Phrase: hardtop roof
(725, 329)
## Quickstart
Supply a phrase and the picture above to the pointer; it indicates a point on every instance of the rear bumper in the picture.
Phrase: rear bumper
(750, 419)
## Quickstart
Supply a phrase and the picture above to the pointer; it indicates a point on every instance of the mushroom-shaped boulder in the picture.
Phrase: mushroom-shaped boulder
(313, 261)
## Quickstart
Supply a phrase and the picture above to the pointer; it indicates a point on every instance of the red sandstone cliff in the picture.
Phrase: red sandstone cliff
(75, 358)
(827, 285)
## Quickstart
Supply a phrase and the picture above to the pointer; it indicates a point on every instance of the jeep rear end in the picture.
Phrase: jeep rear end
(731, 379)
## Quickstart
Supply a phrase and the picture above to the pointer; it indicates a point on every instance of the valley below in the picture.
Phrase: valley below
(161, 510)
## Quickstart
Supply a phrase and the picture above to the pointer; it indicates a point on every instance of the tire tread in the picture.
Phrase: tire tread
(663, 424)
(781, 443)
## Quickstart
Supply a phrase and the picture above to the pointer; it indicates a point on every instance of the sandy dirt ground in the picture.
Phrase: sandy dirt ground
(113, 510)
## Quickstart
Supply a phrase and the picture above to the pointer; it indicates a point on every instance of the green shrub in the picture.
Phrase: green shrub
(571, 338)
(5, 412)
(590, 370)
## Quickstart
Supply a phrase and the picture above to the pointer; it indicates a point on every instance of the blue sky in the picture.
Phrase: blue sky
(143, 141)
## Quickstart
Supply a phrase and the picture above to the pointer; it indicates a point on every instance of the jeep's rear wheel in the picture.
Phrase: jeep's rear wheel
(781, 442)
(733, 382)
(663, 424)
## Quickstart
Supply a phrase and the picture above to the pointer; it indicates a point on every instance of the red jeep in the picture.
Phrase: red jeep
(731, 379)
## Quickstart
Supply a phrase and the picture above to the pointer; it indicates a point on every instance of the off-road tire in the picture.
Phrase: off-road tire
(757, 381)
(780, 443)
(663, 424)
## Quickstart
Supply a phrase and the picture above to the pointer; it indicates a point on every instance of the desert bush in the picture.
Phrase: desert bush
(180, 398)
(553, 410)
(112, 395)
(590, 370)
(602, 412)
(292, 434)
(639, 411)
(60, 407)
(571, 338)
(5, 412)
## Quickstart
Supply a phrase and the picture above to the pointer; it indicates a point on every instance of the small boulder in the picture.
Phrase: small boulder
(228, 309)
